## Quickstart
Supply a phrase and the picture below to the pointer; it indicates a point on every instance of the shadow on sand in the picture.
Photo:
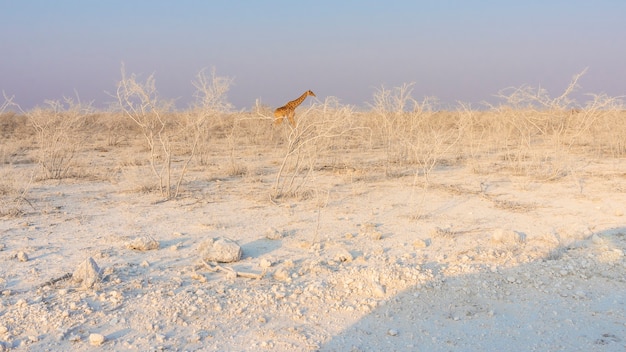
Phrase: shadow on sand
(572, 300)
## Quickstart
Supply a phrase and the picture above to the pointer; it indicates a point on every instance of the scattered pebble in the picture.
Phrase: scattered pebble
(221, 250)
(143, 243)
(265, 263)
(419, 243)
(22, 257)
(376, 235)
(87, 273)
(378, 290)
(596, 239)
(507, 237)
(96, 339)
(273, 234)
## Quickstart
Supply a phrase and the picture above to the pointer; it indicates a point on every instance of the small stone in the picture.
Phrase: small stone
(3, 329)
(273, 234)
(22, 257)
(378, 290)
(281, 275)
(265, 263)
(510, 279)
(376, 235)
(221, 250)
(417, 244)
(508, 237)
(596, 239)
(342, 255)
(96, 339)
(87, 273)
(143, 243)
(392, 332)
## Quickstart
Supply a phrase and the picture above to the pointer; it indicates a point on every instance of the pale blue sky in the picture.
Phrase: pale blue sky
(275, 50)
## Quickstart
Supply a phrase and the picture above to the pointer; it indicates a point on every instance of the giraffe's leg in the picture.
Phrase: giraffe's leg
(292, 121)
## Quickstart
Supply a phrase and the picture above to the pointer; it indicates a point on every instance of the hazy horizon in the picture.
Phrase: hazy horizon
(275, 50)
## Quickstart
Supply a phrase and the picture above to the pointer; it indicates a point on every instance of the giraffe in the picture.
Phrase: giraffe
(289, 110)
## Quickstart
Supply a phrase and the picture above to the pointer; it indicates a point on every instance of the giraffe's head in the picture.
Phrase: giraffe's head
(310, 92)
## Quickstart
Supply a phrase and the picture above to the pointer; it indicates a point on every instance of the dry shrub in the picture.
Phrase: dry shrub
(538, 133)
(58, 126)
(169, 135)
(14, 192)
(320, 128)
(412, 132)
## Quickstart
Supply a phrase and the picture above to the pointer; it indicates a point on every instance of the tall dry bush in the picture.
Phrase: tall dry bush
(140, 102)
(602, 126)
(211, 117)
(538, 133)
(14, 187)
(58, 128)
(170, 136)
(413, 132)
(319, 128)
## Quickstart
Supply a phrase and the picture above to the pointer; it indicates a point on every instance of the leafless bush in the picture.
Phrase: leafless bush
(168, 135)
(140, 102)
(208, 116)
(392, 109)
(414, 132)
(319, 128)
(601, 126)
(538, 132)
(14, 189)
(57, 128)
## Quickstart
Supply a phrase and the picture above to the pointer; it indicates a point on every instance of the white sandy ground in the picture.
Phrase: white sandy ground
(476, 261)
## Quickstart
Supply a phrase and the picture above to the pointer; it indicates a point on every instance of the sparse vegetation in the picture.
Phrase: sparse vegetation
(528, 133)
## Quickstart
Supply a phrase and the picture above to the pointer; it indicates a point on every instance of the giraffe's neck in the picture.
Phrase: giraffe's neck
(295, 103)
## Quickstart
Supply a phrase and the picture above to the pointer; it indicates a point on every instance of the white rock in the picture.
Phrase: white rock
(392, 332)
(376, 235)
(508, 237)
(273, 234)
(96, 339)
(265, 263)
(143, 243)
(378, 290)
(596, 239)
(281, 275)
(342, 255)
(22, 257)
(87, 273)
(221, 250)
(419, 244)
